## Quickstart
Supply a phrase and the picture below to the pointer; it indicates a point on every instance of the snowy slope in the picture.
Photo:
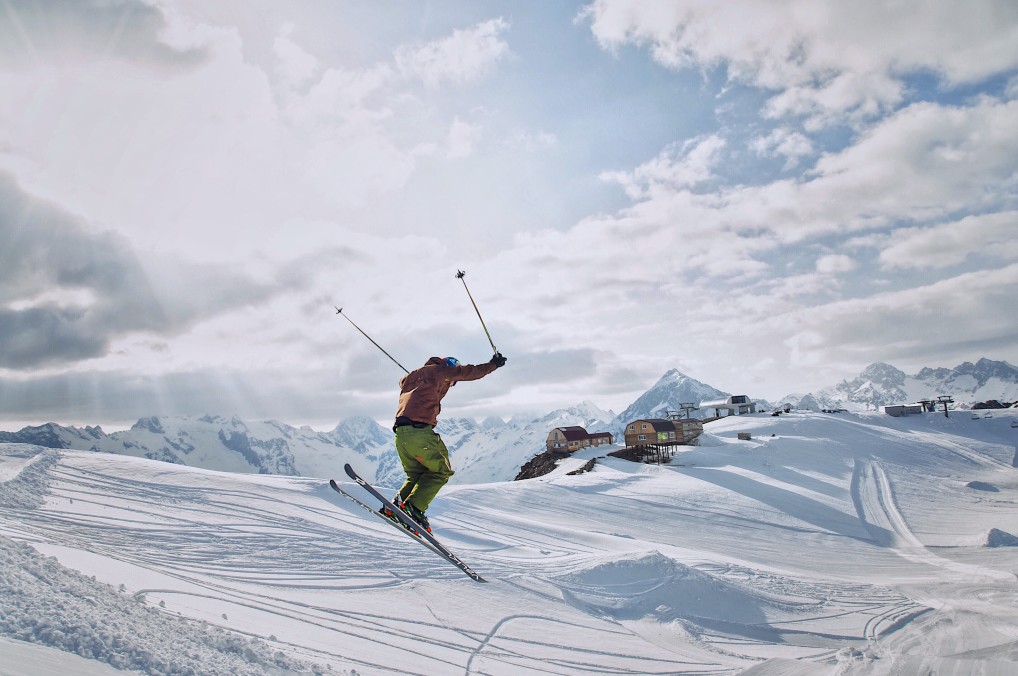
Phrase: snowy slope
(827, 544)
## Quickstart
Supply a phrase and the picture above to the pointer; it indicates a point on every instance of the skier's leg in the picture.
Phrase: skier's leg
(406, 450)
(430, 451)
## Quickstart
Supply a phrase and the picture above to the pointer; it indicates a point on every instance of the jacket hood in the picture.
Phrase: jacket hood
(434, 360)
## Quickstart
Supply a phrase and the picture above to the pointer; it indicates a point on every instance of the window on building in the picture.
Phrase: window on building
(642, 437)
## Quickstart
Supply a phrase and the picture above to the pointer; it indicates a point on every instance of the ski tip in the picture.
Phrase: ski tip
(332, 482)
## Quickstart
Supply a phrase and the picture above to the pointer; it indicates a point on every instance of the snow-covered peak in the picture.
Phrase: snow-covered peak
(52, 435)
(360, 433)
(671, 390)
(585, 414)
(589, 409)
(881, 384)
(883, 374)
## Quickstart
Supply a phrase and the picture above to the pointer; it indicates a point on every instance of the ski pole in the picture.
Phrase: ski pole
(339, 311)
(460, 276)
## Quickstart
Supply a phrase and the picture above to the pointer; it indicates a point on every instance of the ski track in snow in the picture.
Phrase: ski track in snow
(785, 555)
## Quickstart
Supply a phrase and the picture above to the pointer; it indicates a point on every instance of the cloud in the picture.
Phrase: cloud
(1011, 90)
(835, 263)
(293, 64)
(913, 324)
(48, 30)
(786, 143)
(533, 141)
(316, 397)
(463, 57)
(362, 132)
(947, 244)
(923, 162)
(821, 60)
(677, 167)
(259, 132)
(66, 293)
(463, 136)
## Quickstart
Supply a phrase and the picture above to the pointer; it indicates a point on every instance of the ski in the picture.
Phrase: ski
(421, 535)
(402, 528)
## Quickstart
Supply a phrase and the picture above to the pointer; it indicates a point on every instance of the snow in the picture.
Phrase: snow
(882, 384)
(826, 544)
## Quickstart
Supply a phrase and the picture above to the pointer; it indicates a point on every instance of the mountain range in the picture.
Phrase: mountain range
(488, 450)
(881, 384)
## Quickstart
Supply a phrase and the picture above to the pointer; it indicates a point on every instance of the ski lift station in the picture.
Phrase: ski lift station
(736, 404)
(902, 410)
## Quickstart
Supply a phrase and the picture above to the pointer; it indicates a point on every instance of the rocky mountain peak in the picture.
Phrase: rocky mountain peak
(883, 374)
(881, 384)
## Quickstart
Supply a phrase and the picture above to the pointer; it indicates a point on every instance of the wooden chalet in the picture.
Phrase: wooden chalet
(657, 432)
(574, 438)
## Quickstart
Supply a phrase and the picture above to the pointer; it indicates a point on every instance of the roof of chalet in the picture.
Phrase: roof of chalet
(659, 424)
(600, 434)
(662, 425)
(574, 433)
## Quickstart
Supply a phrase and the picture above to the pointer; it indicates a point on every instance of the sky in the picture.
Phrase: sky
(767, 197)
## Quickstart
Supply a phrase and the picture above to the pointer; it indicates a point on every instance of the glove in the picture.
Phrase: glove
(498, 360)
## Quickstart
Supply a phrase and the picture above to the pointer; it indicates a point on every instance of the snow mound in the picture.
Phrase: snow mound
(23, 471)
(654, 586)
(45, 603)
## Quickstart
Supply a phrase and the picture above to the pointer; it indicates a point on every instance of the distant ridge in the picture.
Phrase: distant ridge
(881, 384)
(488, 450)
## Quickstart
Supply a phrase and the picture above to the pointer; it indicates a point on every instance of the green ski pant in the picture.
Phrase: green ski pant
(425, 460)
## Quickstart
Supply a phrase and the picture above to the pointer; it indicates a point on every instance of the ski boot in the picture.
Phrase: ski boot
(417, 515)
(388, 514)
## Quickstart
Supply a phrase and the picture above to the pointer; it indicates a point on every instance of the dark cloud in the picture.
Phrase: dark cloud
(43, 30)
(66, 292)
(116, 398)
(37, 335)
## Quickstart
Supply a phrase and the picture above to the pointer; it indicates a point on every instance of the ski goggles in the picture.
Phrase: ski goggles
(452, 361)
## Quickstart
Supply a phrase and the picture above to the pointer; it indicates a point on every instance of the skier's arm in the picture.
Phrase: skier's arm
(475, 371)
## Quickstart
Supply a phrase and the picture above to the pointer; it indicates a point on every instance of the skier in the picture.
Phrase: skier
(421, 450)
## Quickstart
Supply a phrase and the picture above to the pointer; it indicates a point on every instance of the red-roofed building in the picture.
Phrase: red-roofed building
(574, 438)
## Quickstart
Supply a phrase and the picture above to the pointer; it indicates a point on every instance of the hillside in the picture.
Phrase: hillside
(848, 544)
